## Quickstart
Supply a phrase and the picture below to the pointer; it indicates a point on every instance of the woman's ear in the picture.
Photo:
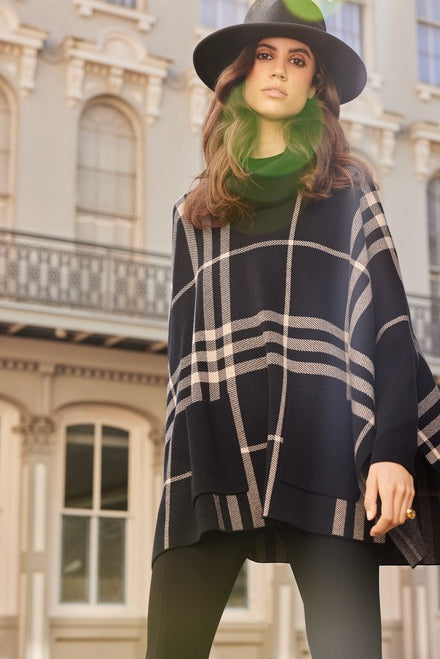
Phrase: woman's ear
(311, 92)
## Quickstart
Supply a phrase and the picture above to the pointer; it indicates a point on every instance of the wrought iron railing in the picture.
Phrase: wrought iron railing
(425, 314)
(106, 280)
(48, 271)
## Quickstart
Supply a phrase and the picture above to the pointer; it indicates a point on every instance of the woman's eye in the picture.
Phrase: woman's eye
(298, 61)
(263, 55)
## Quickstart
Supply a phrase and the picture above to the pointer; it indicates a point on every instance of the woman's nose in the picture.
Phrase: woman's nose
(278, 74)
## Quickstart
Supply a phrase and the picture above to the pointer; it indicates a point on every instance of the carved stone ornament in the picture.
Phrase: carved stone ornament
(87, 8)
(381, 131)
(116, 62)
(37, 431)
(20, 45)
(424, 136)
(199, 99)
(157, 436)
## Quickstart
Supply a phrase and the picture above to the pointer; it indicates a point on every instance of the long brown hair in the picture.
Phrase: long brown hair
(230, 131)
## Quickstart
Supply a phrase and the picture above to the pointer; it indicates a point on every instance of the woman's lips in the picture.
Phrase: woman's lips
(273, 92)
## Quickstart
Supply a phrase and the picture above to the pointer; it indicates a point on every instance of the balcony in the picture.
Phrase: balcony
(105, 295)
(425, 314)
(84, 292)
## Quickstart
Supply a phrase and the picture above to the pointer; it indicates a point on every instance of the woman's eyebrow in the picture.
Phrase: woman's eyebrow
(304, 51)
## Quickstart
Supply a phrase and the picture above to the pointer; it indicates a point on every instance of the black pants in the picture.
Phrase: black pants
(338, 580)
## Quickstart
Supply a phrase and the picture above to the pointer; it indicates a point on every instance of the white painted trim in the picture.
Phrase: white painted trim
(39, 508)
(35, 648)
(10, 509)
(426, 92)
(140, 525)
(145, 22)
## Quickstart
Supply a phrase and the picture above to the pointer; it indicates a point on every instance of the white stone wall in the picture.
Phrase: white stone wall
(55, 56)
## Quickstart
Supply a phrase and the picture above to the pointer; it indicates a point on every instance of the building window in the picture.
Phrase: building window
(107, 180)
(95, 514)
(221, 13)
(428, 38)
(132, 4)
(346, 23)
(239, 597)
(434, 234)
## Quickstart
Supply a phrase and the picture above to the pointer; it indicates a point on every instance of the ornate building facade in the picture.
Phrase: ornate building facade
(100, 117)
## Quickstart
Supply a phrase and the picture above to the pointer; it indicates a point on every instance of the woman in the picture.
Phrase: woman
(296, 384)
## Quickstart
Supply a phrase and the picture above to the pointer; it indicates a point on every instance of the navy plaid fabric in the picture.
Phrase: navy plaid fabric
(292, 366)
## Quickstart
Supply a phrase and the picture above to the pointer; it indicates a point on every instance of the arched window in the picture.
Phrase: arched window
(434, 233)
(5, 159)
(105, 510)
(95, 514)
(428, 39)
(221, 13)
(107, 181)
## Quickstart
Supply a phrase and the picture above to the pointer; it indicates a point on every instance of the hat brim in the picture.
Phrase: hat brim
(219, 49)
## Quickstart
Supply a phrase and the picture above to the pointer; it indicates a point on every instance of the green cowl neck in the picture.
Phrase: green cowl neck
(272, 180)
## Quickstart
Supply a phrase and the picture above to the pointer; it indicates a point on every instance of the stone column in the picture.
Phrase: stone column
(415, 614)
(37, 432)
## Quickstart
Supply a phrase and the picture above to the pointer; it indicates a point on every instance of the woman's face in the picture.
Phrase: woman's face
(280, 81)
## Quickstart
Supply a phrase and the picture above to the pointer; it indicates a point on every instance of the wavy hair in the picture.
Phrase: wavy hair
(230, 131)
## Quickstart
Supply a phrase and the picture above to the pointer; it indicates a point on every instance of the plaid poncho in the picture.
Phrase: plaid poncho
(292, 367)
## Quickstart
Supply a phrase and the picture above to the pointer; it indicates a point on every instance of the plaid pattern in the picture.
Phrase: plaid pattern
(292, 365)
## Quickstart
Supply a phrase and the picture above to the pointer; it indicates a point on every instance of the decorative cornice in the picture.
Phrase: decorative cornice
(20, 44)
(384, 130)
(87, 8)
(157, 435)
(37, 431)
(111, 375)
(426, 92)
(423, 135)
(117, 58)
(25, 365)
(199, 99)
(92, 373)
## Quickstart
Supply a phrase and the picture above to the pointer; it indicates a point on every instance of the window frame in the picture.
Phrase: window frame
(140, 519)
(138, 198)
(433, 24)
(362, 15)
(145, 21)
(434, 269)
(8, 198)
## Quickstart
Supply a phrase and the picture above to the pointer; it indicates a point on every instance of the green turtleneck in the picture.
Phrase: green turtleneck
(272, 189)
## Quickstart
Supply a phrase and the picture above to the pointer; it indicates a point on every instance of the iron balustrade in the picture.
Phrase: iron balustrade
(104, 279)
(425, 315)
(48, 271)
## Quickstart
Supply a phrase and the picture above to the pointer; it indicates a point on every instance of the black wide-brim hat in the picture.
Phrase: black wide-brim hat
(296, 19)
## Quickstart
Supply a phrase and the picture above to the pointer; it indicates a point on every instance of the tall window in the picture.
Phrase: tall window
(5, 158)
(434, 233)
(106, 176)
(124, 3)
(428, 38)
(346, 24)
(95, 514)
(221, 13)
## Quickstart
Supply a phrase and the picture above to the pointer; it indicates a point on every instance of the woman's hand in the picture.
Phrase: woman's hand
(394, 485)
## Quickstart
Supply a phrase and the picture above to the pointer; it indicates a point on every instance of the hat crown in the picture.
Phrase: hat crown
(295, 12)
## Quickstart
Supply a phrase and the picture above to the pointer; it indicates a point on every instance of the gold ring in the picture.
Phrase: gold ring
(410, 513)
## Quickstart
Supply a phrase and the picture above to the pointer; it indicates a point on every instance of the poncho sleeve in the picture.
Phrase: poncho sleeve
(397, 359)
